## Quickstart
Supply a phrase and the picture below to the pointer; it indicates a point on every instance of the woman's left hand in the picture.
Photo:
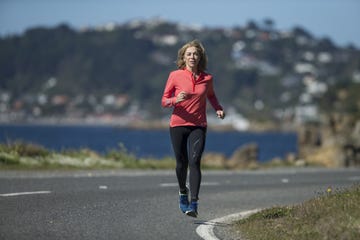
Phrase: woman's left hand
(220, 114)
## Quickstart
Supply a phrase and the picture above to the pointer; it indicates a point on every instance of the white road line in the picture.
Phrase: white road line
(168, 184)
(202, 184)
(206, 230)
(285, 180)
(23, 193)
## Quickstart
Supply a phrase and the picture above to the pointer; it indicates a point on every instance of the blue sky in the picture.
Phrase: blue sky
(336, 19)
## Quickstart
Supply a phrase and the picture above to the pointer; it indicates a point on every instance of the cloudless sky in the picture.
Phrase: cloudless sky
(337, 19)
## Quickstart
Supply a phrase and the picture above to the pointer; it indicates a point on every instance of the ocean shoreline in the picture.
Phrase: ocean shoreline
(151, 125)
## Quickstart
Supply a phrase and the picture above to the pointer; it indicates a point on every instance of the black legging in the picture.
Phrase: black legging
(181, 138)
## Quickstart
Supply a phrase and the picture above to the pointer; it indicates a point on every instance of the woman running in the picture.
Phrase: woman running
(186, 91)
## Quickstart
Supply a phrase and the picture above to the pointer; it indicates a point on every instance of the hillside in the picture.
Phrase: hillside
(116, 73)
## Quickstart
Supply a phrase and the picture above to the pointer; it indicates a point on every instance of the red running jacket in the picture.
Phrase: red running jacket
(192, 111)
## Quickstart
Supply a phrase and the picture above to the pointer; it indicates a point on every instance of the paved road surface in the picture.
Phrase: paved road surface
(143, 204)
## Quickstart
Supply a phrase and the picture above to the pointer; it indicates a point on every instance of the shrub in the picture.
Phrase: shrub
(24, 149)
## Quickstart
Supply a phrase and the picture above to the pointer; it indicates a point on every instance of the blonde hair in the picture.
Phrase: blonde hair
(201, 51)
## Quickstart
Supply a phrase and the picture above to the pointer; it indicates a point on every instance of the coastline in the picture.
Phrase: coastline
(254, 127)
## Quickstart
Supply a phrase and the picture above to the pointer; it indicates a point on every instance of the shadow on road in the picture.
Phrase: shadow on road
(212, 223)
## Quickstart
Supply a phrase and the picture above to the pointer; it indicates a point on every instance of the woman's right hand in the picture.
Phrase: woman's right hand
(181, 96)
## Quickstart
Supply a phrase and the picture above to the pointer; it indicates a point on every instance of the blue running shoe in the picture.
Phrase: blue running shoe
(184, 201)
(192, 211)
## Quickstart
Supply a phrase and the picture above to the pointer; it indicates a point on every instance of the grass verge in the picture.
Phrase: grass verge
(20, 155)
(334, 214)
(28, 156)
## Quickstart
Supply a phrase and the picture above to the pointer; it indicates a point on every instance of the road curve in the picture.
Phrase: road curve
(143, 204)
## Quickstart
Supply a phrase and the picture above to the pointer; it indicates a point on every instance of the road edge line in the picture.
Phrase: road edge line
(206, 230)
(23, 193)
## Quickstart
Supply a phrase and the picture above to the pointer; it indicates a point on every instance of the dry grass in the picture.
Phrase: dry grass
(20, 155)
(331, 215)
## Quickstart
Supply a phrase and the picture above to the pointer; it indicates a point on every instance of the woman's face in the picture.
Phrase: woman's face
(191, 58)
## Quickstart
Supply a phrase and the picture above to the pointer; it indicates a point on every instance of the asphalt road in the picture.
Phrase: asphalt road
(144, 204)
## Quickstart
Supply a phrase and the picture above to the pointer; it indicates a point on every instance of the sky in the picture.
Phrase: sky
(336, 19)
